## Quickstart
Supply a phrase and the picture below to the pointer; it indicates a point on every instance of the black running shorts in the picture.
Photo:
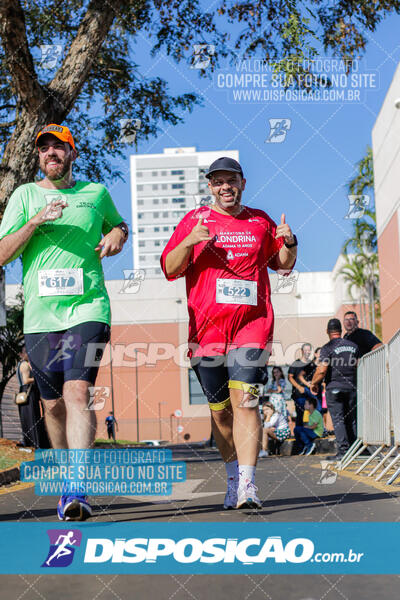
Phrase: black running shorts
(217, 374)
(72, 354)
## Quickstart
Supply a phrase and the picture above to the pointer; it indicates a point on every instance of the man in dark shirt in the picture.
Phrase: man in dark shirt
(111, 422)
(338, 366)
(298, 390)
(365, 339)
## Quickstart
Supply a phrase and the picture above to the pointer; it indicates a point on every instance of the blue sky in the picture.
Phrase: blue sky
(305, 176)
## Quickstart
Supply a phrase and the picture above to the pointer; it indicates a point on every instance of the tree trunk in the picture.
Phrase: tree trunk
(20, 163)
(39, 104)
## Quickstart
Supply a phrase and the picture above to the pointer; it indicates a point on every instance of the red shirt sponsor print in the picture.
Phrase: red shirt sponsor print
(227, 282)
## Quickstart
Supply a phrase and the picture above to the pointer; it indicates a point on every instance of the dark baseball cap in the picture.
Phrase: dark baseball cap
(334, 325)
(224, 164)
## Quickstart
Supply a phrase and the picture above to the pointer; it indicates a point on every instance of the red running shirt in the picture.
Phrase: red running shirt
(226, 314)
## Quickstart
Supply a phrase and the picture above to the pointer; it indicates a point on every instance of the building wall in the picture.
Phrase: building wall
(386, 153)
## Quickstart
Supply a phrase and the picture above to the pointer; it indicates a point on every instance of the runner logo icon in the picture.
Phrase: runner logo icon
(278, 130)
(62, 350)
(62, 547)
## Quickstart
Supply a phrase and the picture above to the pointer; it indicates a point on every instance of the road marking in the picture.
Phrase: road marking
(180, 491)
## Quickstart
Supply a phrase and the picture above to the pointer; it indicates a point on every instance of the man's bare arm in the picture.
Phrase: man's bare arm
(13, 244)
(295, 384)
(178, 259)
(318, 376)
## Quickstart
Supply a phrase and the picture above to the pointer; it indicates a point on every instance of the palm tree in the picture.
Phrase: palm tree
(353, 274)
(361, 270)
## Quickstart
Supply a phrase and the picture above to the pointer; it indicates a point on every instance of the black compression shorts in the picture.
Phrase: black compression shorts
(243, 365)
(72, 354)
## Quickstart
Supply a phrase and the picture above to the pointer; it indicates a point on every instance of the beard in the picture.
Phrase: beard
(58, 171)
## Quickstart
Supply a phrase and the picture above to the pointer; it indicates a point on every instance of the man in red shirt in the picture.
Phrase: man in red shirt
(224, 252)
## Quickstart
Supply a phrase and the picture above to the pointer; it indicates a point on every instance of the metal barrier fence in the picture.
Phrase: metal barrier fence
(378, 413)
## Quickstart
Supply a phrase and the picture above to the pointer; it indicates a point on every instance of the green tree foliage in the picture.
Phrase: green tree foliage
(97, 82)
(360, 270)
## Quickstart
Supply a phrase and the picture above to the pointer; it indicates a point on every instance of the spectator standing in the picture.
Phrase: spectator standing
(298, 389)
(111, 423)
(338, 366)
(32, 423)
(306, 375)
(365, 339)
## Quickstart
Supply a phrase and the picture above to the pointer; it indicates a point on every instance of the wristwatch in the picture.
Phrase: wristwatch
(291, 245)
(123, 228)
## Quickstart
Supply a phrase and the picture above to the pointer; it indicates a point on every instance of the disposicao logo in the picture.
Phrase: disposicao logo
(62, 547)
(190, 550)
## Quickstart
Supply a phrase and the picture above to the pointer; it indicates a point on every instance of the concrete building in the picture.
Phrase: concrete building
(164, 187)
(386, 153)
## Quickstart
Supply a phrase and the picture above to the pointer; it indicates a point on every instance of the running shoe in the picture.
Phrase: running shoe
(231, 494)
(310, 450)
(247, 497)
(74, 508)
(302, 453)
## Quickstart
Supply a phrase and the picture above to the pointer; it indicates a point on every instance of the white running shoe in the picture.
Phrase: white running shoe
(263, 454)
(231, 495)
(247, 497)
(310, 450)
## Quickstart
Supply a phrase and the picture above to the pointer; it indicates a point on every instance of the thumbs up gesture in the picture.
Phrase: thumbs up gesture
(200, 233)
(283, 230)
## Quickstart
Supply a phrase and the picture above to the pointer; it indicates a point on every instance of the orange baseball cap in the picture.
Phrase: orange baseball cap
(60, 131)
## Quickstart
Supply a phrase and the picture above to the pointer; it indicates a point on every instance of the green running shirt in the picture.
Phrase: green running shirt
(67, 243)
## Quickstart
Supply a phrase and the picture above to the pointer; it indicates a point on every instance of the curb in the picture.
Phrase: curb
(9, 476)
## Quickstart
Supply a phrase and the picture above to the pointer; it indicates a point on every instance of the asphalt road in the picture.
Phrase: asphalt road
(291, 488)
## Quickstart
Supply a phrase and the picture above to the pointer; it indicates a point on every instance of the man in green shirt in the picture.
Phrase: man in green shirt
(63, 228)
(315, 428)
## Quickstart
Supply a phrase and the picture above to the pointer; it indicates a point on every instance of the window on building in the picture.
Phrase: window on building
(156, 200)
(154, 186)
(178, 200)
(165, 214)
(154, 173)
(139, 188)
(178, 186)
(157, 243)
(143, 258)
(141, 229)
(140, 215)
(156, 215)
(139, 174)
(165, 228)
(164, 186)
(196, 394)
(141, 244)
(165, 200)
(156, 229)
(163, 173)
(177, 172)
(157, 271)
(140, 202)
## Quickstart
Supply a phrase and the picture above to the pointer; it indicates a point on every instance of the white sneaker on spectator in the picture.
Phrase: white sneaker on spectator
(263, 453)
(247, 497)
(310, 449)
